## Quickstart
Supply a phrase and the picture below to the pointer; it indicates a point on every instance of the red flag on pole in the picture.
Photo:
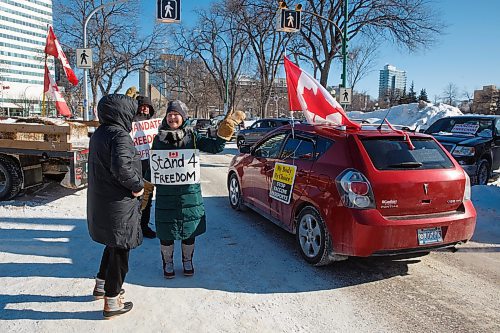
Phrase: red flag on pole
(53, 48)
(50, 87)
(309, 96)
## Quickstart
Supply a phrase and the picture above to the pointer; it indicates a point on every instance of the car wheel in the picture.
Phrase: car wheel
(483, 172)
(312, 237)
(240, 142)
(10, 178)
(235, 195)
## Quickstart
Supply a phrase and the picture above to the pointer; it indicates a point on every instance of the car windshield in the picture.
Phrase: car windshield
(203, 122)
(462, 126)
(393, 154)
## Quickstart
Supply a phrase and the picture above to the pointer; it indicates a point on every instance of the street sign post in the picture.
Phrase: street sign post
(289, 20)
(345, 96)
(168, 11)
(84, 58)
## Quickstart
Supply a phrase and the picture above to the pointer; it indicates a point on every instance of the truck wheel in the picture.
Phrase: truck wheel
(11, 179)
(483, 172)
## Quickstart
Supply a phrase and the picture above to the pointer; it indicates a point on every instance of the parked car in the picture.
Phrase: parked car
(259, 129)
(201, 125)
(473, 140)
(354, 193)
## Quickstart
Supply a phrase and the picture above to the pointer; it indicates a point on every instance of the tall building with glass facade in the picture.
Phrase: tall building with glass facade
(23, 31)
(392, 82)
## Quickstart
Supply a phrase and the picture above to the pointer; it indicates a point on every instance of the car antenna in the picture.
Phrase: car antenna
(383, 120)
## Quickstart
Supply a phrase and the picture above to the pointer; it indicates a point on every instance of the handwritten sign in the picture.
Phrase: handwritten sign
(466, 128)
(143, 133)
(175, 167)
(282, 184)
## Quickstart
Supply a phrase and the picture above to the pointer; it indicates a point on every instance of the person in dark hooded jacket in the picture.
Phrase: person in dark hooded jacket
(115, 185)
(179, 209)
(145, 111)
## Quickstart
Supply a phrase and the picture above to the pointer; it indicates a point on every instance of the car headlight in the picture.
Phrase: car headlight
(464, 151)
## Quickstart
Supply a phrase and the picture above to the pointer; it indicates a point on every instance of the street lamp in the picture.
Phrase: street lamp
(85, 82)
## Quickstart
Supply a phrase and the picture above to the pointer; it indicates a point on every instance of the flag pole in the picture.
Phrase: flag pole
(43, 100)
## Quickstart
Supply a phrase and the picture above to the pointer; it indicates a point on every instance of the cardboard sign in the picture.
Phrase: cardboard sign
(175, 167)
(282, 184)
(466, 128)
(143, 133)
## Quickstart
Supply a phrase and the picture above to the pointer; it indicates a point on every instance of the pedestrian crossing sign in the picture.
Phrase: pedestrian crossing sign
(288, 20)
(84, 58)
(168, 11)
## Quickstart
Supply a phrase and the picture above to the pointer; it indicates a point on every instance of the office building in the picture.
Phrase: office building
(392, 83)
(23, 31)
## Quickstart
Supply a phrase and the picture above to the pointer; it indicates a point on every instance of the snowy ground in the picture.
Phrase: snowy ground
(249, 275)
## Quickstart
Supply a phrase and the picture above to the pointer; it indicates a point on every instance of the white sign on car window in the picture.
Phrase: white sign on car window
(466, 128)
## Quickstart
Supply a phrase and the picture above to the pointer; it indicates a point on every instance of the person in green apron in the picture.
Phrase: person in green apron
(179, 209)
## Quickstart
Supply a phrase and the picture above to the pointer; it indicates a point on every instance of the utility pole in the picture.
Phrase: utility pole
(344, 46)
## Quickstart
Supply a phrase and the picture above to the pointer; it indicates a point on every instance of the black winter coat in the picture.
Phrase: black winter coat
(113, 213)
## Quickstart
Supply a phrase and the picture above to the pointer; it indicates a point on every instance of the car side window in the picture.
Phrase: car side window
(298, 148)
(271, 147)
(497, 128)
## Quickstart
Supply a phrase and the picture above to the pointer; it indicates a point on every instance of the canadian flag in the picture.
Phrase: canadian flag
(308, 95)
(53, 48)
(50, 87)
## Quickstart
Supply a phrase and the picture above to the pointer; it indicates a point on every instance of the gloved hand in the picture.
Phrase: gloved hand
(132, 92)
(227, 126)
(148, 192)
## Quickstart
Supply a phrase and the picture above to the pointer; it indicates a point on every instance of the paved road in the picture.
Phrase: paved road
(440, 292)
(249, 277)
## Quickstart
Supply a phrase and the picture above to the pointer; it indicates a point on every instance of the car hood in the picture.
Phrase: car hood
(461, 140)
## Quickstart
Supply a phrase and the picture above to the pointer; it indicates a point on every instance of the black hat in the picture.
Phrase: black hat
(178, 106)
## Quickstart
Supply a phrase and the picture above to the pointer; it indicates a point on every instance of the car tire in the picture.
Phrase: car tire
(483, 172)
(312, 238)
(11, 179)
(240, 141)
(235, 194)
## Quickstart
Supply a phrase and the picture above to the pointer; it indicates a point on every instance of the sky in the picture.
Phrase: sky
(465, 54)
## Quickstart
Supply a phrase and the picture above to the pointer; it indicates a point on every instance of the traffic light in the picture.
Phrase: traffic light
(282, 5)
(298, 7)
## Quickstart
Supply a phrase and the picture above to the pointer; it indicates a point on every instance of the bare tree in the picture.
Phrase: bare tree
(220, 44)
(360, 62)
(410, 23)
(450, 94)
(119, 49)
(258, 20)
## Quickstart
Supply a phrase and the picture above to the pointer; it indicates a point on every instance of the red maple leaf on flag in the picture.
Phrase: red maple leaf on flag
(318, 104)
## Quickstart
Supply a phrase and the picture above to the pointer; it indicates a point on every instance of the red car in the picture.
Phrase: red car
(349, 192)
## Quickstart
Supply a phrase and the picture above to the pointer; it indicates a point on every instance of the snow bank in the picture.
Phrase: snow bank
(408, 114)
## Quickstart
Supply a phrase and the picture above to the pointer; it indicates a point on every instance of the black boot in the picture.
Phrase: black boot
(147, 232)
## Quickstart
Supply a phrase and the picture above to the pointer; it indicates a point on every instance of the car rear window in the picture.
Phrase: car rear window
(395, 154)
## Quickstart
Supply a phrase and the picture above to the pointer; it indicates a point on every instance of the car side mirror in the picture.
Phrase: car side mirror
(245, 149)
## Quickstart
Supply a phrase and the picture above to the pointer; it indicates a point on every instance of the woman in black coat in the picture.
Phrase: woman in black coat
(113, 206)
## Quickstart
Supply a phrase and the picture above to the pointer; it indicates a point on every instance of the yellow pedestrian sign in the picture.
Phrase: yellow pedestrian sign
(84, 58)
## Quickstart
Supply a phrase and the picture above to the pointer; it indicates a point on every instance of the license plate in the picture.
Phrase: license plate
(429, 236)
